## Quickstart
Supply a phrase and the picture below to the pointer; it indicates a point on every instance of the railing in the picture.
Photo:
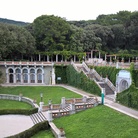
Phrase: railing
(24, 63)
(85, 66)
(110, 84)
(18, 98)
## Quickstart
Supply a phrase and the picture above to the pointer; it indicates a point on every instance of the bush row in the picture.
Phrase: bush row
(80, 81)
(32, 131)
(19, 111)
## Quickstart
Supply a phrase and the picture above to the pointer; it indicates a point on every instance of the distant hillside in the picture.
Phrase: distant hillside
(19, 23)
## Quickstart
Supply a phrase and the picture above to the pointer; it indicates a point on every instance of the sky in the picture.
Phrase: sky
(28, 10)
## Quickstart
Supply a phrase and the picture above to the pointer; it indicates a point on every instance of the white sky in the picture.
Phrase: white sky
(28, 10)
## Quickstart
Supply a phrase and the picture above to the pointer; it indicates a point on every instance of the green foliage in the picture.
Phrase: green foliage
(52, 33)
(98, 122)
(79, 80)
(18, 111)
(129, 97)
(15, 42)
(60, 71)
(32, 131)
(111, 72)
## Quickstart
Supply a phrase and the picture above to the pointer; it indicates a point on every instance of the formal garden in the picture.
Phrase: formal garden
(96, 122)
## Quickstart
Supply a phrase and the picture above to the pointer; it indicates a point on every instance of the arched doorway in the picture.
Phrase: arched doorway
(123, 80)
(123, 85)
(11, 76)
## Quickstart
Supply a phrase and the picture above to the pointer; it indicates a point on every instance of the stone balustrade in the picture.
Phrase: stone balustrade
(19, 98)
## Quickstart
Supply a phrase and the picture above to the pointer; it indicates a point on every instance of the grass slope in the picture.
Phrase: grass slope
(98, 122)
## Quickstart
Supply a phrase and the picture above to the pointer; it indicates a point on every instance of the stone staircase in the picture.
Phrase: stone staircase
(109, 93)
(38, 117)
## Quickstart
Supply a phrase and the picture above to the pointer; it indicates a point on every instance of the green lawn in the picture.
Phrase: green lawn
(9, 104)
(54, 93)
(98, 122)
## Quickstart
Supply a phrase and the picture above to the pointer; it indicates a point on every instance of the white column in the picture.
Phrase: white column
(39, 57)
(28, 77)
(91, 53)
(56, 58)
(35, 77)
(53, 75)
(99, 54)
(7, 76)
(14, 77)
(47, 58)
(42, 78)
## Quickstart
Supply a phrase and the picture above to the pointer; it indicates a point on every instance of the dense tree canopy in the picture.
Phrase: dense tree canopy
(113, 33)
(15, 42)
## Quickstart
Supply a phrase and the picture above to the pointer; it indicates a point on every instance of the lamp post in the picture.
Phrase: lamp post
(41, 95)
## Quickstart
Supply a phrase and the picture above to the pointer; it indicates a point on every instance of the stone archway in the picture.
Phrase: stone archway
(123, 80)
(123, 85)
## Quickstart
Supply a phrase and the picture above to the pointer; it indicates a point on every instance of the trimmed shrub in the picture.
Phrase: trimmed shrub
(81, 81)
(19, 111)
(32, 131)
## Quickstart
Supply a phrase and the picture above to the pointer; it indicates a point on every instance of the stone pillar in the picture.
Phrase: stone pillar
(7, 76)
(41, 106)
(35, 78)
(14, 78)
(53, 75)
(84, 99)
(56, 58)
(49, 116)
(63, 102)
(91, 53)
(39, 57)
(47, 58)
(72, 108)
(117, 65)
(28, 77)
(99, 54)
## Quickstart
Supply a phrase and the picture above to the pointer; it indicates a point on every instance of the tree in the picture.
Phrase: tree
(15, 42)
(52, 33)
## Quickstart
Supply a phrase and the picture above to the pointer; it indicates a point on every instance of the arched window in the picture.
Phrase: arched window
(18, 70)
(25, 78)
(39, 76)
(10, 70)
(32, 78)
(25, 71)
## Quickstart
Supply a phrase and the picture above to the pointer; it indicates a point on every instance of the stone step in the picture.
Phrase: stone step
(38, 117)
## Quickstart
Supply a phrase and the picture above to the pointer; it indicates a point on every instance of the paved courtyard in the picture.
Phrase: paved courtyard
(13, 124)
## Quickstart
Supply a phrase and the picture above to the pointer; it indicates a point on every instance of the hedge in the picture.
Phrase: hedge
(81, 81)
(18, 111)
(32, 131)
